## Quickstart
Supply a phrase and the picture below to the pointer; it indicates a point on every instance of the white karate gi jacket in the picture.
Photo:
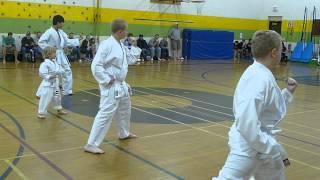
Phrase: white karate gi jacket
(47, 70)
(48, 90)
(111, 62)
(52, 39)
(259, 106)
(59, 39)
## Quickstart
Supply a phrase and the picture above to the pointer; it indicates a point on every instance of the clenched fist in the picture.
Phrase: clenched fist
(291, 84)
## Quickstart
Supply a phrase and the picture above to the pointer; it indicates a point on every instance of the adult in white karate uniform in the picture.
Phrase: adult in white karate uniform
(259, 106)
(50, 93)
(56, 37)
(110, 67)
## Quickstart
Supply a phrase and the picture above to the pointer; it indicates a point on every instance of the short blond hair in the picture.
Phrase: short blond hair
(48, 51)
(118, 24)
(264, 41)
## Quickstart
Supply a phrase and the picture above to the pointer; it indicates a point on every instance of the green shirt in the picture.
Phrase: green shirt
(8, 41)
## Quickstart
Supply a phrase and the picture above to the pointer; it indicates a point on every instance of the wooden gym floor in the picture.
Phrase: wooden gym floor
(181, 113)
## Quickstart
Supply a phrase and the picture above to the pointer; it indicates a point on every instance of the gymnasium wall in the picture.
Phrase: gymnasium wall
(241, 17)
(34, 15)
(291, 11)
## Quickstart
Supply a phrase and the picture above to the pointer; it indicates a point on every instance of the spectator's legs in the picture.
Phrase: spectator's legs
(15, 54)
(90, 54)
(174, 49)
(87, 53)
(77, 51)
(178, 50)
(4, 53)
(158, 52)
(162, 56)
(166, 53)
(23, 52)
(37, 52)
(143, 54)
(152, 52)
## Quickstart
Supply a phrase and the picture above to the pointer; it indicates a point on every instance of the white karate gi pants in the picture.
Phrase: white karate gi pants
(242, 168)
(111, 108)
(49, 95)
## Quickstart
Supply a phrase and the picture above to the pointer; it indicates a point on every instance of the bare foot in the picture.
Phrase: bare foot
(131, 136)
(62, 112)
(93, 149)
(41, 116)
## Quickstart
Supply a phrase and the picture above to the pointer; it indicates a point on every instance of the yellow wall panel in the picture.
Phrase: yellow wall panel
(86, 14)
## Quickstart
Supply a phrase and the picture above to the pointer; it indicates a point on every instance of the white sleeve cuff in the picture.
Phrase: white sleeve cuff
(288, 96)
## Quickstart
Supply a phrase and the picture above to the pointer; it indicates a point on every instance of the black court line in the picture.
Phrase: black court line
(46, 160)
(203, 76)
(151, 65)
(21, 147)
(186, 111)
(306, 142)
(300, 140)
(110, 143)
(303, 141)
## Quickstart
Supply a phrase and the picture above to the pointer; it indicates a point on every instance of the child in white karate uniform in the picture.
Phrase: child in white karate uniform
(259, 106)
(50, 92)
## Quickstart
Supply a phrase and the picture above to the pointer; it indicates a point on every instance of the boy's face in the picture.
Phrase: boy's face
(52, 55)
(60, 25)
(123, 33)
(276, 55)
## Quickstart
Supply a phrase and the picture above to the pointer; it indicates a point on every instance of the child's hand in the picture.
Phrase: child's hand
(112, 80)
(53, 76)
(286, 162)
(291, 84)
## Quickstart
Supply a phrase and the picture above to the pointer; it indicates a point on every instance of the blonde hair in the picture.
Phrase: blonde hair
(48, 51)
(264, 41)
(118, 24)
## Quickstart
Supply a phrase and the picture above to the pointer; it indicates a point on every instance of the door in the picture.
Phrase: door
(275, 25)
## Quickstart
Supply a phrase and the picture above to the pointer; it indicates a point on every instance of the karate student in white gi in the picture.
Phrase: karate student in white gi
(110, 67)
(50, 92)
(259, 105)
(56, 37)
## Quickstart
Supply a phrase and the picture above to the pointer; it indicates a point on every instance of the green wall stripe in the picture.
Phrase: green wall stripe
(21, 26)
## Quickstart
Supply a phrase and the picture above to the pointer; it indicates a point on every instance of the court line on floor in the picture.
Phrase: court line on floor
(192, 99)
(288, 146)
(219, 112)
(201, 119)
(177, 101)
(302, 112)
(104, 143)
(229, 108)
(17, 170)
(212, 104)
(21, 147)
(170, 119)
(203, 102)
(300, 125)
(222, 136)
(112, 144)
(301, 149)
(293, 131)
(40, 156)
